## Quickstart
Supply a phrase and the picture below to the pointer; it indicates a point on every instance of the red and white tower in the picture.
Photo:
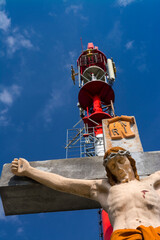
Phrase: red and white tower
(96, 75)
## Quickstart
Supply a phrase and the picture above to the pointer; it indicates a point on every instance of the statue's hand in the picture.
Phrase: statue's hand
(20, 166)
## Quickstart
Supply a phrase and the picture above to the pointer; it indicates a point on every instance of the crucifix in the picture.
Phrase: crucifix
(21, 195)
(81, 183)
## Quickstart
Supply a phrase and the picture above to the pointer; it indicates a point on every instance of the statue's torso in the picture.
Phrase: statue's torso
(132, 204)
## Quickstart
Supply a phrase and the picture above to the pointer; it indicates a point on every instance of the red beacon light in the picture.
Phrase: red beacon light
(89, 58)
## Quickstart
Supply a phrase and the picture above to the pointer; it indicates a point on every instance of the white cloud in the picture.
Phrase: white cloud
(140, 57)
(16, 90)
(53, 103)
(115, 35)
(72, 55)
(73, 8)
(124, 3)
(2, 2)
(119, 69)
(8, 94)
(4, 121)
(16, 42)
(70, 60)
(76, 10)
(7, 97)
(59, 97)
(129, 45)
(20, 230)
(12, 37)
(84, 17)
(5, 22)
(52, 14)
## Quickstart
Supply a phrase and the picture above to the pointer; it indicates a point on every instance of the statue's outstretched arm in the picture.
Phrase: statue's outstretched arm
(155, 178)
(84, 188)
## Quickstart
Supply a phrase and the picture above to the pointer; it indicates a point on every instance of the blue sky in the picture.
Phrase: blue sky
(39, 40)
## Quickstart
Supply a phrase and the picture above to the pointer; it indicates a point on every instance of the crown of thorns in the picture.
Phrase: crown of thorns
(114, 154)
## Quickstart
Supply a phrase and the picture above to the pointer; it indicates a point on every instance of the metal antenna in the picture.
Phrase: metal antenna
(81, 43)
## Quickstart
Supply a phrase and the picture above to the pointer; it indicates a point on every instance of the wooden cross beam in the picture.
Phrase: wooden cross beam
(21, 195)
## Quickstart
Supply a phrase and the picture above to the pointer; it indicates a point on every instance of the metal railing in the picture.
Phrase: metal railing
(80, 142)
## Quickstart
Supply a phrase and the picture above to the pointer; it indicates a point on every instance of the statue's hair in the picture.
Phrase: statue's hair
(111, 178)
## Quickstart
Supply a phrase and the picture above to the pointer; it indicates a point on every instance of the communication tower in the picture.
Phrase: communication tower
(96, 75)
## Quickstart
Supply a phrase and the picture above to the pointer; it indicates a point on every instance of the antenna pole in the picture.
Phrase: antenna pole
(81, 44)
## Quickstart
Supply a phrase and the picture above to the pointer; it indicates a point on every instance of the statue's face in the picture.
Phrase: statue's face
(120, 167)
